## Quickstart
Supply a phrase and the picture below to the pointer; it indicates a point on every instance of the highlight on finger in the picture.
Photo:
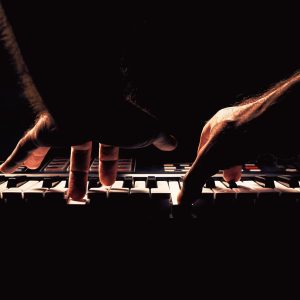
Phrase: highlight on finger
(233, 174)
(21, 153)
(108, 164)
(79, 169)
(37, 156)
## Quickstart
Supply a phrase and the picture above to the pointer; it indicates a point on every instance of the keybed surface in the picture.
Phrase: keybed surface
(148, 194)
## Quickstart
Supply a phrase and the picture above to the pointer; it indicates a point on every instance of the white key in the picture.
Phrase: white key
(222, 193)
(255, 186)
(97, 194)
(245, 195)
(16, 193)
(59, 188)
(284, 189)
(140, 191)
(3, 187)
(207, 193)
(35, 193)
(57, 194)
(269, 194)
(3, 183)
(161, 197)
(175, 190)
(242, 190)
(162, 190)
(117, 191)
(26, 186)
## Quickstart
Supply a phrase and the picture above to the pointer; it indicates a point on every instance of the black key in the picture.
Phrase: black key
(210, 183)
(232, 185)
(2, 179)
(50, 182)
(151, 182)
(267, 181)
(292, 182)
(93, 183)
(14, 182)
(128, 182)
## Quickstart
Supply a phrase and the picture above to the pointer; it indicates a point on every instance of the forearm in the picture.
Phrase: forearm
(10, 51)
(272, 121)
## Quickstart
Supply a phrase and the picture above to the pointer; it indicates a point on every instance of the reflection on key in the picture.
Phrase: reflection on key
(117, 192)
(139, 191)
(15, 195)
(223, 196)
(177, 210)
(265, 196)
(162, 191)
(207, 195)
(118, 199)
(205, 200)
(35, 194)
(245, 196)
(57, 194)
(139, 201)
(161, 197)
(97, 195)
(289, 196)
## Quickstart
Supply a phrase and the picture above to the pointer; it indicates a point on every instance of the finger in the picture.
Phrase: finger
(108, 164)
(165, 142)
(203, 167)
(36, 158)
(192, 185)
(79, 170)
(21, 153)
(233, 174)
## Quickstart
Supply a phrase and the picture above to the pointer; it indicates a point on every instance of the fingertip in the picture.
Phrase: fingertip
(4, 168)
(108, 176)
(233, 174)
(77, 186)
(76, 194)
(108, 172)
(107, 181)
(31, 166)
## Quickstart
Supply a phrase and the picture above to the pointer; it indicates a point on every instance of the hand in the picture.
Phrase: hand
(224, 144)
(269, 123)
(34, 146)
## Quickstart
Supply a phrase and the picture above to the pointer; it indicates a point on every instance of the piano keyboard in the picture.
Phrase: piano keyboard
(147, 194)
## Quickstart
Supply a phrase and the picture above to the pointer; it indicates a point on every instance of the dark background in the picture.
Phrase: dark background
(186, 62)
